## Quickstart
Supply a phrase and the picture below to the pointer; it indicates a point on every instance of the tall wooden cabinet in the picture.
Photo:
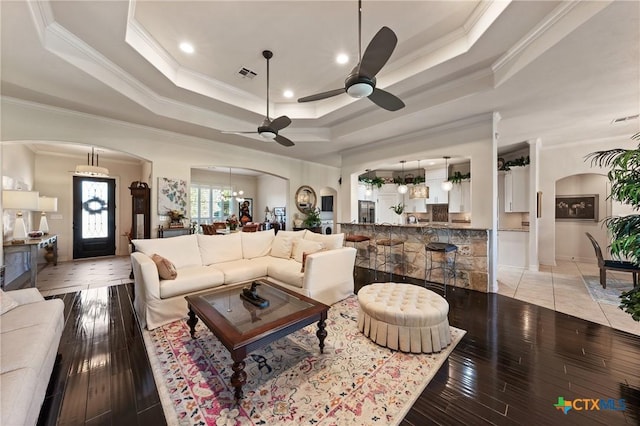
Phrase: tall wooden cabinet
(140, 210)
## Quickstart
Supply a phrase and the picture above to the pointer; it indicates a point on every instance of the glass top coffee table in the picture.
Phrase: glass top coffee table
(243, 327)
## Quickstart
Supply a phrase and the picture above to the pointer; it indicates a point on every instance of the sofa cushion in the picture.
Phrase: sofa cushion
(283, 243)
(304, 246)
(241, 270)
(286, 270)
(166, 269)
(330, 242)
(190, 280)
(7, 302)
(256, 244)
(28, 332)
(220, 248)
(17, 389)
(182, 251)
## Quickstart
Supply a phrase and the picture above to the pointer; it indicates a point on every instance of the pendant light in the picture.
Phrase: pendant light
(92, 168)
(446, 185)
(232, 193)
(403, 188)
(369, 190)
(421, 190)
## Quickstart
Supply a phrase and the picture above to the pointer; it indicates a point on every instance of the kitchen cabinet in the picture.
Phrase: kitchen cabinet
(434, 179)
(460, 197)
(437, 195)
(416, 205)
(516, 190)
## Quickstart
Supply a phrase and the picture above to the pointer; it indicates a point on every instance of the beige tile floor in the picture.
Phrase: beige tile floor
(79, 275)
(560, 287)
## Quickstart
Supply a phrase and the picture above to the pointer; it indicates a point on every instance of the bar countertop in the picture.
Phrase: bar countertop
(434, 225)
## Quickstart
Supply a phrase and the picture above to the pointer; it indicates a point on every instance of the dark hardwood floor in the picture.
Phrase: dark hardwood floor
(510, 368)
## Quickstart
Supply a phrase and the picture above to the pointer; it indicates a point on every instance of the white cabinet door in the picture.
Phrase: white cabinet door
(437, 195)
(460, 197)
(516, 190)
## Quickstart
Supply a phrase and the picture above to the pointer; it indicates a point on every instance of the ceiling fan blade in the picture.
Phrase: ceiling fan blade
(283, 141)
(386, 100)
(378, 52)
(280, 123)
(237, 133)
(323, 95)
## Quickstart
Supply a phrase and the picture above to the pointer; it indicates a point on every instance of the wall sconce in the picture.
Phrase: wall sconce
(21, 201)
(46, 204)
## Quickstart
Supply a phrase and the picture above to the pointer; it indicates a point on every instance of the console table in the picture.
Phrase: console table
(31, 246)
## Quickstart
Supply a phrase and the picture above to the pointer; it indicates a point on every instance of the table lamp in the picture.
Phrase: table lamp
(46, 204)
(21, 201)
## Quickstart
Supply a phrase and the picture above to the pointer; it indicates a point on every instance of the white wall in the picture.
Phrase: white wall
(272, 192)
(571, 242)
(557, 163)
(172, 155)
(18, 171)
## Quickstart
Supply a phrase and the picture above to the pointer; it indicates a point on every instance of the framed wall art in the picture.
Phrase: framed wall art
(172, 195)
(577, 207)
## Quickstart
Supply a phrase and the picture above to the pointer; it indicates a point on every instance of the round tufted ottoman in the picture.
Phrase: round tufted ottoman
(404, 316)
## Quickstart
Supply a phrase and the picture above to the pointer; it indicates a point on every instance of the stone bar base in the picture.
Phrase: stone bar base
(472, 265)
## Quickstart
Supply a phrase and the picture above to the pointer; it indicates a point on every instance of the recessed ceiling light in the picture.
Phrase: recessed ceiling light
(187, 47)
(342, 58)
(287, 94)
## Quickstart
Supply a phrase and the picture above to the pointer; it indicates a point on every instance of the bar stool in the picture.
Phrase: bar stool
(444, 248)
(387, 243)
(355, 239)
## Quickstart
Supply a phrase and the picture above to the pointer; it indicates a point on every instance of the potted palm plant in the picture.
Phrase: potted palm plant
(624, 175)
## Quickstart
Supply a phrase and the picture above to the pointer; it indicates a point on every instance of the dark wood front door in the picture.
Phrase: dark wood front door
(94, 217)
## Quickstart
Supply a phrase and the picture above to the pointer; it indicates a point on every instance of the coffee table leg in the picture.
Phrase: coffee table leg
(321, 333)
(238, 378)
(192, 321)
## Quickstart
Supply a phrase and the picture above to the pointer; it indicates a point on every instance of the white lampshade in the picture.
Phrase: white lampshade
(21, 201)
(446, 185)
(403, 189)
(46, 204)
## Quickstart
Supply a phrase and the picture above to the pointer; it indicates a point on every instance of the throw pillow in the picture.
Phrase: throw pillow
(281, 246)
(330, 242)
(305, 246)
(304, 260)
(7, 302)
(166, 269)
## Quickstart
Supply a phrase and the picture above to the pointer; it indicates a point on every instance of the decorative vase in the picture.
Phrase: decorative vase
(233, 226)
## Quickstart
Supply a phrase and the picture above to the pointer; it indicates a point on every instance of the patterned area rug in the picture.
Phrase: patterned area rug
(609, 295)
(355, 381)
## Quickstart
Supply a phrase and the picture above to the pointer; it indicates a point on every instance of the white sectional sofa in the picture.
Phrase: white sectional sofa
(204, 262)
(31, 328)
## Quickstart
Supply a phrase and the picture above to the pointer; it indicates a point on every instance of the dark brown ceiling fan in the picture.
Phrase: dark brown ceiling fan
(269, 128)
(361, 82)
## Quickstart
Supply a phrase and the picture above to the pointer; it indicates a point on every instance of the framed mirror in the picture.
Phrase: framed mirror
(305, 199)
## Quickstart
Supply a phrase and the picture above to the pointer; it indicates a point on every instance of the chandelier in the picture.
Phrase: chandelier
(91, 168)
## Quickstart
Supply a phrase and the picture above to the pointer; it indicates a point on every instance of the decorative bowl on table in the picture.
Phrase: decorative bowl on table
(35, 234)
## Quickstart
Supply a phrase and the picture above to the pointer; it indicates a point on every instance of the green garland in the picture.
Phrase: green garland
(518, 162)
(375, 181)
(458, 177)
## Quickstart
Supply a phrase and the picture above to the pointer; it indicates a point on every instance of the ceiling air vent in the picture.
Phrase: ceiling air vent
(246, 73)
(623, 119)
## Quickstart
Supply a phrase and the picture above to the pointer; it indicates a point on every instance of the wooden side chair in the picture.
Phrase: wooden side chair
(207, 229)
(612, 265)
(250, 227)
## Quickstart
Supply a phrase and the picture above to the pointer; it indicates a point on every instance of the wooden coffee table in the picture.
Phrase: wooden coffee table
(243, 327)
